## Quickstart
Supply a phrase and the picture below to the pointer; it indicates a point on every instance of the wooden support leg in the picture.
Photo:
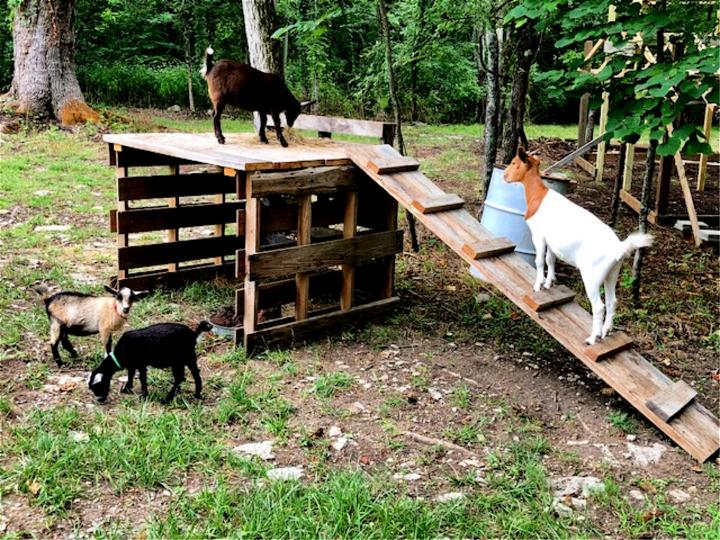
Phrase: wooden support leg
(173, 202)
(602, 147)
(219, 228)
(349, 231)
(252, 246)
(707, 126)
(389, 276)
(302, 279)
(628, 170)
(122, 239)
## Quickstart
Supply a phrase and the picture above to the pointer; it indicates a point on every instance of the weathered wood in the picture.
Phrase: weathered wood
(281, 262)
(314, 326)
(302, 279)
(687, 195)
(600, 161)
(488, 248)
(572, 156)
(220, 226)
(628, 170)
(122, 206)
(173, 280)
(175, 252)
(632, 201)
(192, 215)
(392, 166)
(173, 202)
(316, 180)
(669, 402)
(549, 298)
(182, 185)
(349, 231)
(585, 165)
(707, 130)
(610, 346)
(633, 377)
(334, 124)
(252, 245)
(430, 205)
(113, 220)
(126, 156)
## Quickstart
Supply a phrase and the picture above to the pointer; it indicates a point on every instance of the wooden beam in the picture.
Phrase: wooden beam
(687, 193)
(280, 262)
(392, 166)
(122, 207)
(349, 231)
(160, 218)
(131, 157)
(672, 400)
(182, 185)
(315, 180)
(441, 203)
(252, 246)
(488, 248)
(334, 124)
(628, 170)
(173, 280)
(634, 204)
(302, 279)
(610, 346)
(707, 130)
(549, 298)
(584, 149)
(585, 165)
(600, 161)
(175, 252)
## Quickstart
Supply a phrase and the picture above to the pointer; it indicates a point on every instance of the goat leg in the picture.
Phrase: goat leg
(179, 376)
(217, 113)
(67, 345)
(143, 382)
(196, 377)
(278, 129)
(261, 131)
(55, 333)
(127, 389)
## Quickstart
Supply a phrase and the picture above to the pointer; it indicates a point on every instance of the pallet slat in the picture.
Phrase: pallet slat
(430, 205)
(175, 252)
(549, 298)
(173, 185)
(281, 262)
(488, 248)
(157, 219)
(174, 280)
(668, 403)
(393, 165)
(610, 346)
(315, 180)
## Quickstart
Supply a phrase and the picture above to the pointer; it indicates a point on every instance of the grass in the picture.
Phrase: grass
(622, 421)
(329, 384)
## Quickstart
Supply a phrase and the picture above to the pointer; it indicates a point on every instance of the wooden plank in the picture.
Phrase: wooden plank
(182, 185)
(315, 180)
(392, 166)
(122, 206)
(549, 298)
(294, 332)
(252, 246)
(584, 149)
(668, 403)
(629, 199)
(687, 193)
(634, 378)
(488, 248)
(220, 226)
(113, 220)
(585, 165)
(600, 161)
(161, 218)
(610, 346)
(302, 279)
(173, 202)
(628, 170)
(334, 124)
(132, 157)
(349, 231)
(429, 205)
(175, 252)
(173, 280)
(281, 262)
(707, 130)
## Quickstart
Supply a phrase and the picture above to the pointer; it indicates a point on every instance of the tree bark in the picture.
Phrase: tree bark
(419, 29)
(527, 41)
(385, 26)
(260, 24)
(44, 81)
(491, 105)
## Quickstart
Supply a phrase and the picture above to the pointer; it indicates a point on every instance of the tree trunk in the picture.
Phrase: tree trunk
(189, 66)
(419, 30)
(643, 218)
(527, 44)
(491, 105)
(382, 14)
(260, 24)
(44, 81)
(615, 201)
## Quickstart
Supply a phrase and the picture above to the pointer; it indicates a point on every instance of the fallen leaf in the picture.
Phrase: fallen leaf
(34, 487)
(715, 376)
(607, 391)
(365, 460)
(652, 515)
(696, 468)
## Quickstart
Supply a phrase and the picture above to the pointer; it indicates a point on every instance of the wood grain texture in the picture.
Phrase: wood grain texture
(286, 261)
(488, 248)
(173, 185)
(668, 403)
(302, 279)
(334, 124)
(192, 215)
(549, 298)
(430, 205)
(173, 280)
(313, 180)
(392, 166)
(695, 429)
(349, 231)
(175, 252)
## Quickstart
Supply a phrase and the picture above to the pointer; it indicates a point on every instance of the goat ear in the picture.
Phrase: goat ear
(139, 295)
(306, 104)
(522, 154)
(111, 290)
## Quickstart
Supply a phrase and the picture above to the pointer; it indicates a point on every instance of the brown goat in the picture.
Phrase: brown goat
(241, 85)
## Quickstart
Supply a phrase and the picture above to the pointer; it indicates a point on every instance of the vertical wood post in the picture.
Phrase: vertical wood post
(707, 129)
(252, 246)
(388, 288)
(173, 202)
(122, 239)
(628, 170)
(349, 231)
(584, 104)
(602, 147)
(302, 279)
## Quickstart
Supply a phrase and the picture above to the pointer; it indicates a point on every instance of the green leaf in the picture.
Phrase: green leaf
(669, 147)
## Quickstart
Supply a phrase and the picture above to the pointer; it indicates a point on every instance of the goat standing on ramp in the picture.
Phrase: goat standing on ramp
(79, 314)
(577, 237)
(163, 345)
(241, 85)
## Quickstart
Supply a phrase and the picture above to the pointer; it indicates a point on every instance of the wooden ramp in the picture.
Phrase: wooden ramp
(668, 405)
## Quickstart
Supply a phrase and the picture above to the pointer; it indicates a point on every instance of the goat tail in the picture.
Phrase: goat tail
(208, 65)
(203, 326)
(634, 241)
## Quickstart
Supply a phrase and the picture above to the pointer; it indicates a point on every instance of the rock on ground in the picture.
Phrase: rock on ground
(285, 473)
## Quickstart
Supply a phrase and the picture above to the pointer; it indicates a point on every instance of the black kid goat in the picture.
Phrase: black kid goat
(163, 345)
(241, 85)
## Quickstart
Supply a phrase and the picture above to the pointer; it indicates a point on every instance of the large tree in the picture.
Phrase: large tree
(260, 24)
(44, 81)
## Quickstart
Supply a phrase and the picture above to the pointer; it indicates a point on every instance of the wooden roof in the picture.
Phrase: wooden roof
(242, 151)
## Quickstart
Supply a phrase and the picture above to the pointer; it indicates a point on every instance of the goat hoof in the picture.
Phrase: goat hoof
(221, 140)
(591, 340)
(284, 143)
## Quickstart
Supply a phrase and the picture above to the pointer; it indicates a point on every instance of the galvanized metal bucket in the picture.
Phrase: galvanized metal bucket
(504, 210)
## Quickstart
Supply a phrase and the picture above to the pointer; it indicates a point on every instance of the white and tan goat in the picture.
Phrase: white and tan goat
(562, 229)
